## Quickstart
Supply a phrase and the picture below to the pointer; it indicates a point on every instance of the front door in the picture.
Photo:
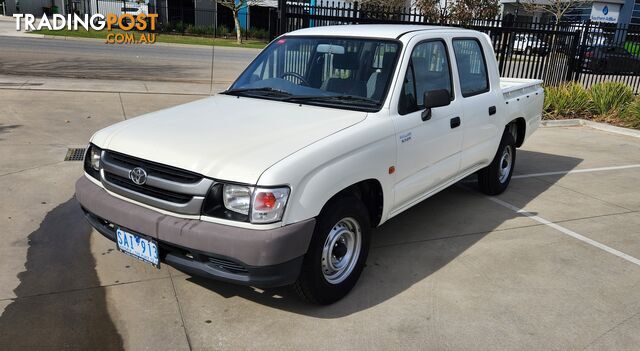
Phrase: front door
(428, 148)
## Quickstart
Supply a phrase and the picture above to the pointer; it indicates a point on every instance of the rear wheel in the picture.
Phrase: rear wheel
(337, 253)
(495, 178)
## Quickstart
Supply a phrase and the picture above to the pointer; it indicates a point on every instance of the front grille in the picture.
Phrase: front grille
(155, 169)
(165, 187)
(157, 193)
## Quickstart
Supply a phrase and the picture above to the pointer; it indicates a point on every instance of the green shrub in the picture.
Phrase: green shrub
(179, 27)
(258, 33)
(610, 97)
(609, 102)
(631, 115)
(567, 100)
(222, 31)
(200, 30)
(165, 27)
(632, 48)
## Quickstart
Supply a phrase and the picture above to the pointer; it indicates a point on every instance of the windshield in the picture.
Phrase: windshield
(340, 72)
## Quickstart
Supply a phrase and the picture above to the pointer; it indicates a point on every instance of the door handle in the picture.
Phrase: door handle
(455, 122)
(492, 110)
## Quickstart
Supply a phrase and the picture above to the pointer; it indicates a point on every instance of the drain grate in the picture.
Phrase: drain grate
(75, 154)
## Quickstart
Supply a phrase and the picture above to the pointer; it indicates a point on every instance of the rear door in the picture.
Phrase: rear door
(428, 150)
(479, 103)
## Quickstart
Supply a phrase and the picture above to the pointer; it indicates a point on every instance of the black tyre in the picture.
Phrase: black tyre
(337, 252)
(495, 178)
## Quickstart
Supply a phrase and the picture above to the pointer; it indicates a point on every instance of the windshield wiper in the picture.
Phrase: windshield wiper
(266, 91)
(286, 96)
(340, 98)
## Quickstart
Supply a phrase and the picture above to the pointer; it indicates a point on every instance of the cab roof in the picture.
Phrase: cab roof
(387, 31)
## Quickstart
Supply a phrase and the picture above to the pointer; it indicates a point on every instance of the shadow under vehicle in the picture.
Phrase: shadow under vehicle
(415, 244)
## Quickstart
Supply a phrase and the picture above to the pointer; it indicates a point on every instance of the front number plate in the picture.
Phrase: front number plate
(144, 249)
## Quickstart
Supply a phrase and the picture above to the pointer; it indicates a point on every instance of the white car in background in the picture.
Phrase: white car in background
(529, 45)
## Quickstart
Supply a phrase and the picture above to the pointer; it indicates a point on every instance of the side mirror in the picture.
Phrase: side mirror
(434, 98)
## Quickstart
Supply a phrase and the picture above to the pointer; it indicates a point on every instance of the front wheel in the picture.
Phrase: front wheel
(495, 178)
(337, 253)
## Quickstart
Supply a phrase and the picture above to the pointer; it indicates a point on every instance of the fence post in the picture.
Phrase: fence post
(273, 23)
(583, 36)
(573, 70)
(215, 18)
(505, 41)
(354, 13)
(282, 16)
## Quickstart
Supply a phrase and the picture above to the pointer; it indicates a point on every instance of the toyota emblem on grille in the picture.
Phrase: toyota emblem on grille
(138, 176)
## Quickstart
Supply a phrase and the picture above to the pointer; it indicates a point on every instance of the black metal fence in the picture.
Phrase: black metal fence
(586, 52)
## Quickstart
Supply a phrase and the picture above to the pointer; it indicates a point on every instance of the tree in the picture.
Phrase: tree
(460, 11)
(382, 9)
(466, 10)
(235, 6)
(435, 11)
(556, 8)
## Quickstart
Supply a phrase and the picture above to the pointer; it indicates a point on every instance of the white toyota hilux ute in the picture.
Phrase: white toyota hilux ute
(329, 132)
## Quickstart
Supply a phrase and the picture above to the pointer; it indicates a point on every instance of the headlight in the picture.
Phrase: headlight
(246, 203)
(92, 161)
(268, 204)
(95, 158)
(237, 198)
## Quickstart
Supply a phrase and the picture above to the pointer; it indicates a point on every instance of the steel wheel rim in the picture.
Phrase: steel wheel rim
(341, 250)
(506, 162)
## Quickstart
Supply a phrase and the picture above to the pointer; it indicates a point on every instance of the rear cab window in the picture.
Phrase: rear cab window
(472, 67)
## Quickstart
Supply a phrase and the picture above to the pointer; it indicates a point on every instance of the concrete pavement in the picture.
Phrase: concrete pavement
(8, 27)
(24, 82)
(458, 271)
(43, 306)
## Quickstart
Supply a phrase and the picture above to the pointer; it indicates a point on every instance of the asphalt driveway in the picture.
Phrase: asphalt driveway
(550, 264)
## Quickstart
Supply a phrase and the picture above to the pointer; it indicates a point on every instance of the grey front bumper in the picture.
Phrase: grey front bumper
(262, 258)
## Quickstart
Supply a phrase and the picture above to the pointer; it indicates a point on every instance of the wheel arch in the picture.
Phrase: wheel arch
(518, 128)
(370, 192)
